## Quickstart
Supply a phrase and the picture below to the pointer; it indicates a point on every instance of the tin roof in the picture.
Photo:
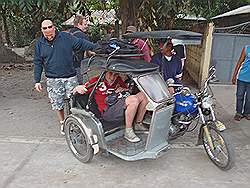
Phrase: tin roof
(187, 37)
(241, 10)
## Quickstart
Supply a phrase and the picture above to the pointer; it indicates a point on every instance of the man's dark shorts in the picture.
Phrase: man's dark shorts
(116, 112)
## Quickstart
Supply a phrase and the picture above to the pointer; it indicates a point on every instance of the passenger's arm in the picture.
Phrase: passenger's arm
(85, 88)
(146, 51)
(80, 89)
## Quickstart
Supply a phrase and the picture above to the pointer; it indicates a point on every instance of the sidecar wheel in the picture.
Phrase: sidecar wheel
(77, 140)
(222, 155)
(67, 107)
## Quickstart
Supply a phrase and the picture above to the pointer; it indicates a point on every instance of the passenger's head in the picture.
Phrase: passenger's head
(131, 29)
(111, 76)
(167, 48)
(48, 29)
(81, 22)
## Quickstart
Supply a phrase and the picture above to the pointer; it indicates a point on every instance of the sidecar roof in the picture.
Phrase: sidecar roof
(187, 37)
(134, 66)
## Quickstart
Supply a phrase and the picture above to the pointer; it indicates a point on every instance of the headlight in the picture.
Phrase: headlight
(207, 102)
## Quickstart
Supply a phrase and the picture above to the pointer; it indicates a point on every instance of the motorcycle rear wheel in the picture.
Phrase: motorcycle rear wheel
(222, 155)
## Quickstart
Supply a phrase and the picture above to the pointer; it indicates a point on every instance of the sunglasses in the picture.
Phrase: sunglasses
(48, 27)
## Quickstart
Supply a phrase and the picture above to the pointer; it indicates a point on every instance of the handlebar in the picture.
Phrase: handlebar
(175, 85)
(211, 75)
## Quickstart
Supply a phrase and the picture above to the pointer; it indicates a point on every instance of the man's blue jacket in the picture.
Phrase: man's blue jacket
(57, 56)
(79, 56)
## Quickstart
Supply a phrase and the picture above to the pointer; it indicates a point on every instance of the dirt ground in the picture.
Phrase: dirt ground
(25, 111)
(34, 154)
(17, 81)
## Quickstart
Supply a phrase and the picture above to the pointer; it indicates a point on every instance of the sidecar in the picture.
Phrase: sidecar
(87, 134)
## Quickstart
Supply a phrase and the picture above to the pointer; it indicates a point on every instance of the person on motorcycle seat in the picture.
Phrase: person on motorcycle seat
(132, 107)
(170, 64)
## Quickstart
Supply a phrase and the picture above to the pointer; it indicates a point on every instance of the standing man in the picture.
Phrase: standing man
(170, 64)
(54, 53)
(79, 31)
(242, 75)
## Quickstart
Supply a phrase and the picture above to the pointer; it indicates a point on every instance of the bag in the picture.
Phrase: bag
(111, 99)
(185, 104)
(107, 47)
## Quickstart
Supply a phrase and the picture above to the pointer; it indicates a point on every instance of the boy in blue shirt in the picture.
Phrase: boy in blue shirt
(242, 75)
(170, 64)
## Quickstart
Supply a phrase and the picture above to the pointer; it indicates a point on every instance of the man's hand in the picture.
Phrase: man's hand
(234, 80)
(80, 89)
(120, 89)
(171, 90)
(90, 53)
(38, 87)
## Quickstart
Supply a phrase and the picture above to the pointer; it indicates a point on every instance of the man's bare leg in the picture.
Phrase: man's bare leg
(132, 103)
(142, 107)
(60, 114)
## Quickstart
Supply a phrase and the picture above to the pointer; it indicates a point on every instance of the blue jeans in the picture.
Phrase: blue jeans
(243, 98)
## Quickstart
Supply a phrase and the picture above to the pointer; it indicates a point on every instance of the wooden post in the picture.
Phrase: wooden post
(206, 55)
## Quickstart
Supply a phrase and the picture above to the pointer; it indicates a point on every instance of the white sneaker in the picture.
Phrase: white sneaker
(140, 127)
(62, 128)
(131, 136)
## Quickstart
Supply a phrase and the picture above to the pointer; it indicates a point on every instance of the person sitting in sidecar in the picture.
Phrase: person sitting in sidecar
(132, 107)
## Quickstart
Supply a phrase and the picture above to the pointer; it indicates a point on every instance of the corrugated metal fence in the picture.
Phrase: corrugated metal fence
(226, 49)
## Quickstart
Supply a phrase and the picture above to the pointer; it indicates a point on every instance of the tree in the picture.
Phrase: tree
(209, 8)
(163, 14)
(21, 18)
(127, 12)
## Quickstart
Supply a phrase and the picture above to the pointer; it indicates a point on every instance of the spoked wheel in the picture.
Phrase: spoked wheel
(77, 140)
(221, 152)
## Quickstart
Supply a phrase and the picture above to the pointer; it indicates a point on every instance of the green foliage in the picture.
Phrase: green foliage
(210, 8)
(162, 14)
(93, 5)
(21, 18)
(20, 30)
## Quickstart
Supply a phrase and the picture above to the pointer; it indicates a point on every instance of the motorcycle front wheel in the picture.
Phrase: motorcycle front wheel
(219, 150)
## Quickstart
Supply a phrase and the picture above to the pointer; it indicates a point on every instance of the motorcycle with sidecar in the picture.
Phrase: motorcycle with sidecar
(87, 134)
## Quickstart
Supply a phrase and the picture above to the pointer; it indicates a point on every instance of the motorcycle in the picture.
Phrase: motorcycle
(168, 116)
(198, 107)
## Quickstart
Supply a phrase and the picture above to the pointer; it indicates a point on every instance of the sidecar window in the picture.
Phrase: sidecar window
(155, 87)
